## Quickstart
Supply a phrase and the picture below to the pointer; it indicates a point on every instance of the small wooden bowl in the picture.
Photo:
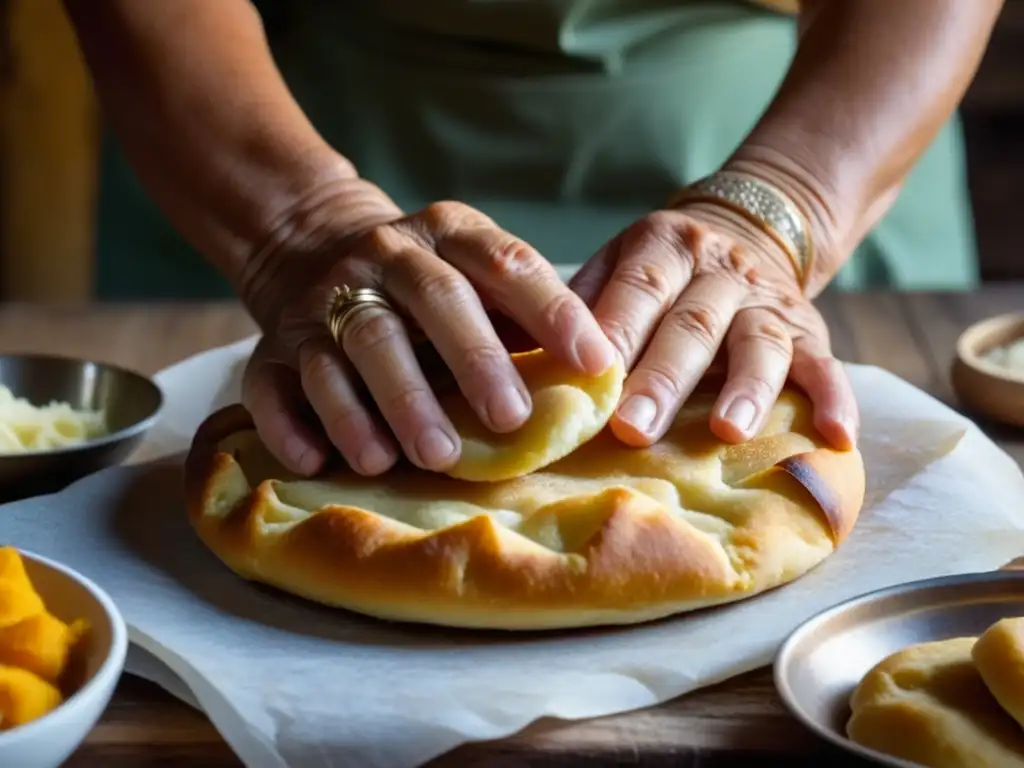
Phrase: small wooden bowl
(983, 386)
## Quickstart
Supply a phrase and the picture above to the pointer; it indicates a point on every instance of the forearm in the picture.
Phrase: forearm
(191, 90)
(871, 85)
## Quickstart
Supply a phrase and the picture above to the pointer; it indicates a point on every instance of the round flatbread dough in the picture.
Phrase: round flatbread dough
(607, 535)
(928, 704)
(568, 410)
(999, 658)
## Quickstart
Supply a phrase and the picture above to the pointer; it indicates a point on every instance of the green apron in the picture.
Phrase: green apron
(564, 120)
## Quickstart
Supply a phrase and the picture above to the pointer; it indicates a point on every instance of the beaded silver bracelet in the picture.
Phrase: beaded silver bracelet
(762, 204)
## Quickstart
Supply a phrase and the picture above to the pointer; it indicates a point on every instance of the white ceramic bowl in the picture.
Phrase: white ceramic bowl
(50, 740)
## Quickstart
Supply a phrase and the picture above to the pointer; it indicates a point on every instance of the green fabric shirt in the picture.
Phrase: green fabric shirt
(564, 120)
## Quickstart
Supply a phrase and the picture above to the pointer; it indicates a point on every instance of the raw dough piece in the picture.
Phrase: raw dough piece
(928, 704)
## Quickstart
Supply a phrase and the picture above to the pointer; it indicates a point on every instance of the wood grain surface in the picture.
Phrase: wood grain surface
(738, 723)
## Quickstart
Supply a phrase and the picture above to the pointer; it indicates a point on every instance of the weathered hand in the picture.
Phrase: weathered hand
(441, 269)
(680, 285)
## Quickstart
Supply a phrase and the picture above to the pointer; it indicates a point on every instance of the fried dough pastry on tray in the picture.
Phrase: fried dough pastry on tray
(557, 525)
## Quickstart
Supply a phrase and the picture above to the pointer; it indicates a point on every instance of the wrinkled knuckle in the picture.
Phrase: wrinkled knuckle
(788, 301)
(444, 286)
(693, 236)
(676, 232)
(623, 336)
(381, 240)
(343, 424)
(317, 367)
(757, 387)
(662, 379)
(513, 258)
(781, 312)
(562, 313)
(405, 265)
(650, 279)
(412, 400)
(742, 263)
(656, 228)
(483, 361)
(774, 336)
(661, 222)
(443, 215)
(370, 328)
(700, 323)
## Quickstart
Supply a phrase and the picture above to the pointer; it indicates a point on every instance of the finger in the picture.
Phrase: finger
(449, 312)
(328, 384)
(760, 351)
(273, 396)
(527, 288)
(678, 355)
(594, 275)
(824, 379)
(376, 342)
(652, 270)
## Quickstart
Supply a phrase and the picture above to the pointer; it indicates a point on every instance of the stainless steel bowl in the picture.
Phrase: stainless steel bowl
(132, 404)
(824, 659)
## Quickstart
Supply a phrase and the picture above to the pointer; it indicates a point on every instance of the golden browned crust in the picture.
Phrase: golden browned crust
(838, 491)
(607, 535)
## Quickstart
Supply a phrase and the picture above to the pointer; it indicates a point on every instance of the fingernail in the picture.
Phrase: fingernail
(509, 407)
(435, 446)
(742, 413)
(595, 353)
(375, 459)
(304, 457)
(639, 411)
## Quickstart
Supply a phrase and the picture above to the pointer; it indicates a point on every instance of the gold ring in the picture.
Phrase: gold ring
(346, 301)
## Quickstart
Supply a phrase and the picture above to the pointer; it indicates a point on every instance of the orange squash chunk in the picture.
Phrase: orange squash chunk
(24, 697)
(39, 644)
(18, 599)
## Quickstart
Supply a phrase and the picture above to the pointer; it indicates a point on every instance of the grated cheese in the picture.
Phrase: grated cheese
(25, 427)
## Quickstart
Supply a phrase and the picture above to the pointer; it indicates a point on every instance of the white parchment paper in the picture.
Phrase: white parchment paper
(293, 684)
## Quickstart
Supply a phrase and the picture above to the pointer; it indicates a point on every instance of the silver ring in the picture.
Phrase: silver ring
(346, 301)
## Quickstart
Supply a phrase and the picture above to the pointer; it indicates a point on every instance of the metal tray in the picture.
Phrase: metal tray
(823, 660)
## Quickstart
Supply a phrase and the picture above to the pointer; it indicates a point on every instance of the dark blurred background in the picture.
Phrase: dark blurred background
(51, 138)
(993, 115)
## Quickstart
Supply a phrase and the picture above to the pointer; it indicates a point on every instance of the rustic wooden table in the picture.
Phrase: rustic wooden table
(740, 722)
